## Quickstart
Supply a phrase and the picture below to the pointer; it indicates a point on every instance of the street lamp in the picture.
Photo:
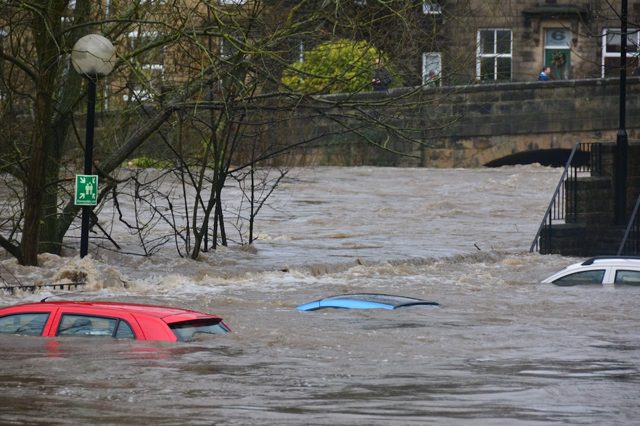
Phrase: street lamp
(92, 56)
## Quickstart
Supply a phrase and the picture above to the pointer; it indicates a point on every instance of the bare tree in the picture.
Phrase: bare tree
(203, 79)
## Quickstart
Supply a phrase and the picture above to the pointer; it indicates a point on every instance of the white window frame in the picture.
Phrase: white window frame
(133, 35)
(427, 59)
(69, 19)
(4, 33)
(480, 55)
(431, 7)
(225, 51)
(633, 36)
(142, 93)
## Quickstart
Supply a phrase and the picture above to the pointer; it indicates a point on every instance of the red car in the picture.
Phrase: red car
(108, 319)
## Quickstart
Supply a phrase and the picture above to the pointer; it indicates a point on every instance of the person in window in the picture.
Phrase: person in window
(381, 77)
(545, 74)
(432, 79)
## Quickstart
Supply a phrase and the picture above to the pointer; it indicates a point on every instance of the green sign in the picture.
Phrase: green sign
(86, 190)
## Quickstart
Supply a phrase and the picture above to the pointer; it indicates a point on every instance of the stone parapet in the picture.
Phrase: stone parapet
(466, 126)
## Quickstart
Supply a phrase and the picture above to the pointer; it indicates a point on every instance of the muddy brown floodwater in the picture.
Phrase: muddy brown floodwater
(500, 350)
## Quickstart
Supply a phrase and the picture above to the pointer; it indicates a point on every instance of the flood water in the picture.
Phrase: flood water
(500, 350)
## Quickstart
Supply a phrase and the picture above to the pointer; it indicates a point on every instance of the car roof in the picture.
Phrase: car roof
(136, 308)
(612, 260)
(598, 262)
(364, 301)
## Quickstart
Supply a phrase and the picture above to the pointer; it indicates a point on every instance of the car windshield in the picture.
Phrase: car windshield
(189, 330)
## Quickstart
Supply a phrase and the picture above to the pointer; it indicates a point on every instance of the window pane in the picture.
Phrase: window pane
(138, 40)
(431, 7)
(23, 324)
(487, 69)
(83, 325)
(627, 278)
(487, 39)
(557, 38)
(613, 40)
(504, 69)
(582, 278)
(124, 331)
(504, 42)
(612, 67)
(188, 330)
(633, 40)
(431, 68)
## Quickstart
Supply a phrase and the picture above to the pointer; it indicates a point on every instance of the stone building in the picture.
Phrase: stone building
(508, 40)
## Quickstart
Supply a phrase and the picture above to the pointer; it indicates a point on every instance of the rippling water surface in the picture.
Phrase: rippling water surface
(500, 350)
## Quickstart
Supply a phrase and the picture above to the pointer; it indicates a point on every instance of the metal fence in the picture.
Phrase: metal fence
(630, 244)
(585, 158)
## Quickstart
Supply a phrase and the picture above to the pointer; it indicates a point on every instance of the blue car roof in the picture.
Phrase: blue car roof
(365, 301)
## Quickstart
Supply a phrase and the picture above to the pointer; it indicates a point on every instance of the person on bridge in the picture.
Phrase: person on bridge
(381, 77)
(545, 74)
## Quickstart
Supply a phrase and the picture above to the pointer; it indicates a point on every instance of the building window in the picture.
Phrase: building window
(227, 47)
(431, 7)
(611, 46)
(557, 52)
(431, 68)
(67, 17)
(149, 71)
(494, 55)
(3, 83)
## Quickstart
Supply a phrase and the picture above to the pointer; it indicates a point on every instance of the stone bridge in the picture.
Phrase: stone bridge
(471, 126)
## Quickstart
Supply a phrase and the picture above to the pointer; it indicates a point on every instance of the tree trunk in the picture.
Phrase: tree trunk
(40, 163)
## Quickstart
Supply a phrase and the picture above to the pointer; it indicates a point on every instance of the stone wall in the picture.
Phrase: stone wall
(463, 126)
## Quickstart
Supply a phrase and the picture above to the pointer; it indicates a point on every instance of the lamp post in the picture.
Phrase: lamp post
(622, 143)
(92, 56)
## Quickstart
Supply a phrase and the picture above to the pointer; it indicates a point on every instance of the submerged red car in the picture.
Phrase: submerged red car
(108, 319)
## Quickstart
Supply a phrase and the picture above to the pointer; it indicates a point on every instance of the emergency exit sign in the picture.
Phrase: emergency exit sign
(86, 190)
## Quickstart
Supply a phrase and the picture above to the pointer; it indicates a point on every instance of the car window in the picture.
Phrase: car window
(627, 277)
(86, 325)
(581, 278)
(27, 324)
(188, 330)
(124, 331)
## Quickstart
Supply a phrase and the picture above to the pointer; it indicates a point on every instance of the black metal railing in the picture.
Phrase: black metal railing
(584, 158)
(630, 244)
(11, 289)
(9, 283)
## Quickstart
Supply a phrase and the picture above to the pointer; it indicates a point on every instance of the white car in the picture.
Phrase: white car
(613, 270)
